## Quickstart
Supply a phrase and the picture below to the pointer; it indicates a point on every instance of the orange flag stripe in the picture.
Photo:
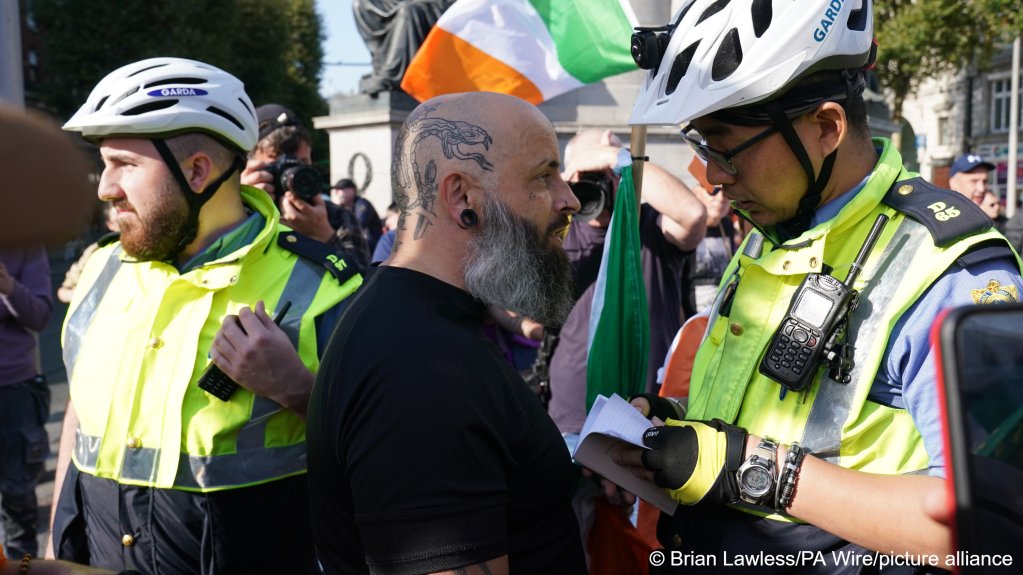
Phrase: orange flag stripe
(465, 69)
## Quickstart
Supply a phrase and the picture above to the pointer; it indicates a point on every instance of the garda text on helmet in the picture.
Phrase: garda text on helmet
(828, 20)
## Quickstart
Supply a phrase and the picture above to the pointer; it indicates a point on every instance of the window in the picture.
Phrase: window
(944, 131)
(1001, 91)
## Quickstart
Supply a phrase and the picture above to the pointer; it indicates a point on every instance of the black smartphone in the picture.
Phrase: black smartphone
(980, 383)
(216, 382)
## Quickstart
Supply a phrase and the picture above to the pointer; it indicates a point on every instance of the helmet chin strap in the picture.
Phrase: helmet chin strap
(195, 201)
(815, 184)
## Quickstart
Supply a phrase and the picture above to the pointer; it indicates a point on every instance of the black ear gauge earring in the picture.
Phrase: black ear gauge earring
(469, 219)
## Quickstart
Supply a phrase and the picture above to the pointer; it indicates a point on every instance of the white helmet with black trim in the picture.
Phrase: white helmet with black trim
(163, 97)
(723, 54)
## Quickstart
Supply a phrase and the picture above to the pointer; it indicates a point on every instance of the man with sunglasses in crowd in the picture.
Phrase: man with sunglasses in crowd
(812, 411)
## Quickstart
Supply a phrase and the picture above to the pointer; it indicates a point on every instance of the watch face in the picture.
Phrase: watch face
(756, 481)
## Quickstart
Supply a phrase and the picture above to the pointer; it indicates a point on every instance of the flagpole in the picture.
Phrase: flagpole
(638, 144)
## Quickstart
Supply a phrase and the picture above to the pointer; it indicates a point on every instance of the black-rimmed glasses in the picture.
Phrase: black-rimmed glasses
(722, 158)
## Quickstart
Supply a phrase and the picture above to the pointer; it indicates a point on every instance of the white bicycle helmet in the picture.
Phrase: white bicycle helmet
(162, 97)
(722, 54)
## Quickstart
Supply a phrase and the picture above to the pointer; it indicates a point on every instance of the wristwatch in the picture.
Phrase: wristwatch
(756, 476)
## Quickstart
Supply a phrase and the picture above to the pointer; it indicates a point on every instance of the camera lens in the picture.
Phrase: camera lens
(591, 199)
(303, 181)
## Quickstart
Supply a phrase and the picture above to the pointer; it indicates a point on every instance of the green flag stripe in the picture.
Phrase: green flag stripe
(592, 36)
(619, 320)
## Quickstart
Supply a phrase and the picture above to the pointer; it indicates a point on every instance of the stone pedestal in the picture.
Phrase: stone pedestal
(362, 131)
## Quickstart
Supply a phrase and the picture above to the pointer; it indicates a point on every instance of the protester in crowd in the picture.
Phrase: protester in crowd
(154, 472)
(703, 271)
(805, 456)
(1013, 230)
(992, 206)
(671, 224)
(26, 302)
(67, 288)
(345, 194)
(383, 249)
(285, 148)
(968, 175)
(483, 210)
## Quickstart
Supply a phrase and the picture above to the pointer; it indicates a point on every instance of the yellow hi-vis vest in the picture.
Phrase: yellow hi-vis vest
(835, 421)
(137, 337)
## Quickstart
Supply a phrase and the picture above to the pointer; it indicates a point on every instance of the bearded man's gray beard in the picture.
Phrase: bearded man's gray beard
(512, 265)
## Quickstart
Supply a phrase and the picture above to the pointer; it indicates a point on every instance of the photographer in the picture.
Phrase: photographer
(280, 165)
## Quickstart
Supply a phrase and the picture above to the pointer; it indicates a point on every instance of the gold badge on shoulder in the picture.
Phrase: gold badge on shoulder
(995, 293)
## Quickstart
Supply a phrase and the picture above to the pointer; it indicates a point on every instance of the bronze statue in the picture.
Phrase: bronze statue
(393, 31)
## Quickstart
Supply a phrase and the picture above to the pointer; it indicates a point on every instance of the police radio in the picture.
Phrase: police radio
(217, 383)
(815, 325)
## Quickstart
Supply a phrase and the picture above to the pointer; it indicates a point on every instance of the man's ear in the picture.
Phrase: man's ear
(832, 126)
(198, 169)
(459, 191)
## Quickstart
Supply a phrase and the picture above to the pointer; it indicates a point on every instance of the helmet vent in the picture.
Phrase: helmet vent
(226, 116)
(729, 56)
(137, 72)
(713, 9)
(100, 104)
(150, 107)
(679, 67)
(166, 81)
(247, 107)
(761, 11)
(858, 17)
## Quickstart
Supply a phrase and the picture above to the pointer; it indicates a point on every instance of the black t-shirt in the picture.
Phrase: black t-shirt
(427, 451)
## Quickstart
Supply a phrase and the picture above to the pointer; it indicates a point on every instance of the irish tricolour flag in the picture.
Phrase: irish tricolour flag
(534, 49)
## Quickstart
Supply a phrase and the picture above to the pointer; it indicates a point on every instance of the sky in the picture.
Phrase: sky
(343, 44)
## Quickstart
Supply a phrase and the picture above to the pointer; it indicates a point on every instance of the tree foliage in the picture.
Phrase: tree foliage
(273, 46)
(919, 39)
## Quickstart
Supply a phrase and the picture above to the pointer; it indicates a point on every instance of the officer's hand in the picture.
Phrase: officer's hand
(255, 175)
(695, 460)
(258, 355)
(308, 218)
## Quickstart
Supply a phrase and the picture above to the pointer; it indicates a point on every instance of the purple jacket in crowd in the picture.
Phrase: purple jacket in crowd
(24, 312)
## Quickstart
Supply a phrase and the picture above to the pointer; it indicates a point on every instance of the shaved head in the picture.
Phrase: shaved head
(471, 132)
(477, 180)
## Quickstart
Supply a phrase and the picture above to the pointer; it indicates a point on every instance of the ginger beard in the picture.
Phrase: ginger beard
(512, 265)
(161, 231)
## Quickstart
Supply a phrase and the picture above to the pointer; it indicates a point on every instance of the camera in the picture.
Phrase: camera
(291, 175)
(595, 191)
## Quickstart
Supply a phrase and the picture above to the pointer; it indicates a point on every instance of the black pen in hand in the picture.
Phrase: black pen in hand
(217, 383)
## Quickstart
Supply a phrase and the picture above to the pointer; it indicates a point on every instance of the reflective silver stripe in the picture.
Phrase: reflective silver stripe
(140, 463)
(86, 450)
(300, 290)
(253, 434)
(80, 320)
(200, 472)
(240, 468)
(823, 433)
(303, 283)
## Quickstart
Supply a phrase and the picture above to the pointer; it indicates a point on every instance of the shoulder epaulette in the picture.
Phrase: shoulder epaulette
(948, 215)
(317, 252)
(108, 238)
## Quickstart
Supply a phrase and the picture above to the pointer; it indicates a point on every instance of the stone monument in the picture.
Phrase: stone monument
(362, 127)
